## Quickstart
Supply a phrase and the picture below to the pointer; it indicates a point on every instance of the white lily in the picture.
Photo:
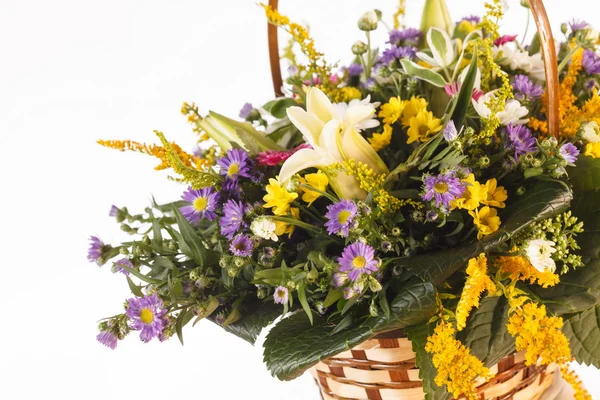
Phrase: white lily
(333, 133)
(443, 49)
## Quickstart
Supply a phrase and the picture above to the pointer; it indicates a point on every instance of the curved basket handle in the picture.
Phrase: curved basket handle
(546, 43)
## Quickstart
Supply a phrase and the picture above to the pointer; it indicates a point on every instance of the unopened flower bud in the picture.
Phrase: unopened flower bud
(172, 245)
(239, 262)
(484, 161)
(396, 231)
(124, 251)
(292, 184)
(521, 190)
(359, 48)
(368, 21)
(146, 239)
(233, 271)
(525, 3)
(590, 131)
(564, 28)
(261, 292)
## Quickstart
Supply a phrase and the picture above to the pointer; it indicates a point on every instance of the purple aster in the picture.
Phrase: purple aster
(569, 152)
(108, 339)
(241, 246)
(339, 279)
(232, 220)
(341, 216)
(577, 25)
(203, 204)
(281, 295)
(474, 19)
(146, 316)
(450, 132)
(591, 84)
(348, 293)
(591, 62)
(220, 318)
(520, 140)
(431, 216)
(355, 69)
(395, 52)
(444, 188)
(235, 163)
(526, 89)
(246, 110)
(370, 84)
(121, 263)
(231, 189)
(397, 37)
(356, 259)
(114, 210)
(95, 250)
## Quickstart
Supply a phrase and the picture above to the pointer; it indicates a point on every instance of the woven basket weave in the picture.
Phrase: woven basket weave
(384, 369)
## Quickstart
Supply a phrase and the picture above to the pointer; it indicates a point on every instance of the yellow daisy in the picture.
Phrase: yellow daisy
(496, 195)
(392, 110)
(318, 181)
(278, 197)
(592, 150)
(412, 107)
(423, 126)
(381, 140)
(475, 194)
(486, 220)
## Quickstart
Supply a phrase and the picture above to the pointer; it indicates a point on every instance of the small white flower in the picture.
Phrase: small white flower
(264, 227)
(539, 252)
(517, 59)
(368, 21)
(591, 132)
(513, 112)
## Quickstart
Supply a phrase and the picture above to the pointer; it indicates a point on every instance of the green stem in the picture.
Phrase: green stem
(566, 60)
(526, 27)
(321, 192)
(369, 60)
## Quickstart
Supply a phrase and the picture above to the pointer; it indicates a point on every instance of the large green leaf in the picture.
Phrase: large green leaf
(583, 331)
(541, 201)
(189, 242)
(425, 74)
(418, 335)
(294, 345)
(585, 176)
(253, 140)
(466, 93)
(278, 107)
(253, 321)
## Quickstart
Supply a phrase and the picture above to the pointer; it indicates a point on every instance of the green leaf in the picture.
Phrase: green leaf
(278, 107)
(583, 332)
(541, 201)
(304, 302)
(585, 176)
(534, 47)
(466, 92)
(253, 140)
(193, 246)
(135, 289)
(418, 335)
(254, 320)
(415, 70)
(183, 318)
(294, 345)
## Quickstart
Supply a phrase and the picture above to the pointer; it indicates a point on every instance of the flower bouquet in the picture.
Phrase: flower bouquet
(416, 217)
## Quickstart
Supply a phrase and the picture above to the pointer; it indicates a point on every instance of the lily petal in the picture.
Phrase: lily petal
(346, 186)
(356, 114)
(319, 104)
(307, 123)
(302, 159)
(329, 140)
(356, 147)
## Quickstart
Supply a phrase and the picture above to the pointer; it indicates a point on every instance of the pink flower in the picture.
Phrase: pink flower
(451, 89)
(274, 157)
(504, 39)
(477, 94)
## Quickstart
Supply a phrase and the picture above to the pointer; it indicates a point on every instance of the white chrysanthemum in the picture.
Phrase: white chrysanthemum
(264, 227)
(591, 132)
(517, 59)
(513, 112)
(365, 123)
(539, 252)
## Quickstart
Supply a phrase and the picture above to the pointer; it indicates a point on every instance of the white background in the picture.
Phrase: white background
(72, 72)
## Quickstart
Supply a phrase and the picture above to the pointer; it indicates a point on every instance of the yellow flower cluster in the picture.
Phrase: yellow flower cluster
(318, 181)
(380, 141)
(344, 94)
(592, 150)
(193, 117)
(456, 367)
(278, 197)
(154, 150)
(490, 195)
(572, 379)
(477, 282)
(400, 12)
(421, 124)
(281, 228)
(520, 268)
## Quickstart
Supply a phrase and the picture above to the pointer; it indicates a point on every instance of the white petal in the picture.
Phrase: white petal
(356, 114)
(330, 140)
(302, 159)
(428, 59)
(307, 123)
(318, 103)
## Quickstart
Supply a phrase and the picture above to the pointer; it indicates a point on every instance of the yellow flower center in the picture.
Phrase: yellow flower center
(200, 203)
(359, 262)
(234, 169)
(423, 131)
(343, 216)
(440, 187)
(146, 315)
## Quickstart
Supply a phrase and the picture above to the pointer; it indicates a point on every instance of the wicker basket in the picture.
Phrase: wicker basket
(384, 368)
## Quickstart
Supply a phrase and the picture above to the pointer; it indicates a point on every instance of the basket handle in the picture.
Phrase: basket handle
(546, 43)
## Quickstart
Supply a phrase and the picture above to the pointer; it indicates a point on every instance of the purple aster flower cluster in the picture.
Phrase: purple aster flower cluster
(591, 62)
(233, 218)
(474, 19)
(399, 37)
(396, 53)
(569, 152)
(577, 25)
(241, 246)
(355, 69)
(235, 163)
(281, 295)
(357, 259)
(95, 250)
(341, 217)
(450, 133)
(108, 338)
(526, 89)
(246, 110)
(123, 262)
(146, 316)
(520, 140)
(203, 204)
(114, 211)
(443, 188)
